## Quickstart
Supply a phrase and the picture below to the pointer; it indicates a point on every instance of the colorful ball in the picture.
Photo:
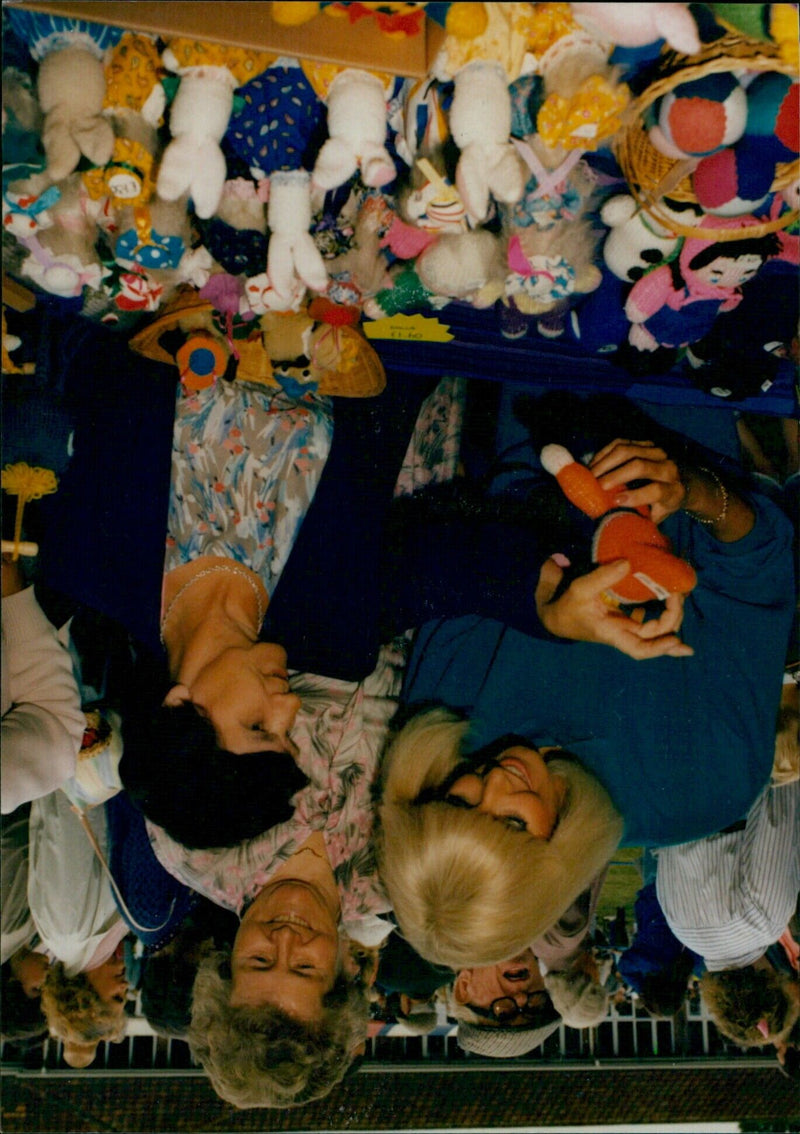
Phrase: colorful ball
(736, 180)
(773, 112)
(701, 117)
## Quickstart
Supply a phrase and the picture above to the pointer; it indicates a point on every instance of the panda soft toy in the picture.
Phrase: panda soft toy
(636, 242)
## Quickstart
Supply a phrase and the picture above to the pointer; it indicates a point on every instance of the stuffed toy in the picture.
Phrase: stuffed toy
(641, 24)
(505, 39)
(278, 122)
(397, 20)
(621, 533)
(199, 115)
(236, 236)
(636, 242)
(356, 102)
(292, 254)
(134, 104)
(62, 258)
(583, 100)
(71, 86)
(466, 266)
(312, 356)
(480, 124)
(677, 303)
(362, 271)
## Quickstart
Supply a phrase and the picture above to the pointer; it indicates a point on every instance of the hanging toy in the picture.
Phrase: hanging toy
(193, 161)
(480, 123)
(26, 483)
(621, 533)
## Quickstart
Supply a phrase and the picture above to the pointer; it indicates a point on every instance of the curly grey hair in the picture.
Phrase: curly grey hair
(262, 1057)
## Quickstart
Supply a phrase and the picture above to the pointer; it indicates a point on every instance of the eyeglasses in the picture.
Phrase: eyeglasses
(506, 1008)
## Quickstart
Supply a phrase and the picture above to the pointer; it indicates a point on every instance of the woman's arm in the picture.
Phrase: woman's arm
(701, 492)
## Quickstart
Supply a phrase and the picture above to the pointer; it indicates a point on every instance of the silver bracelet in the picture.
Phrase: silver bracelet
(725, 498)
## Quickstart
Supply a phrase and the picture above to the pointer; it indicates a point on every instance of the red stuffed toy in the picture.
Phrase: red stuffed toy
(621, 533)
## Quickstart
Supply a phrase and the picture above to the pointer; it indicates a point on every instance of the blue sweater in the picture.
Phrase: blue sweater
(683, 745)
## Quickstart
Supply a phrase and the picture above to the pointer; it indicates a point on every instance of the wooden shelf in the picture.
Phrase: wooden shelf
(248, 23)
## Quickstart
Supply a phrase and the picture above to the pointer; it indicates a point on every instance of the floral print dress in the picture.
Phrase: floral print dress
(246, 462)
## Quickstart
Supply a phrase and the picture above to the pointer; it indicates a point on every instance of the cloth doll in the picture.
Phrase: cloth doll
(678, 302)
(71, 85)
(655, 572)
(199, 115)
(134, 104)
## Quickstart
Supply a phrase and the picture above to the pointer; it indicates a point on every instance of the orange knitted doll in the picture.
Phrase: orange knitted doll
(621, 533)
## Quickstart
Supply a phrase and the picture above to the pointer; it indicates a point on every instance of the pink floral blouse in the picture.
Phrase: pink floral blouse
(340, 730)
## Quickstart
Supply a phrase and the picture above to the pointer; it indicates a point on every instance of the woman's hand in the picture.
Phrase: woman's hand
(582, 614)
(620, 462)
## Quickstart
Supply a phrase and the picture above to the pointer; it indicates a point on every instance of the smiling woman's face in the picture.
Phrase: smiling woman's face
(517, 788)
(287, 950)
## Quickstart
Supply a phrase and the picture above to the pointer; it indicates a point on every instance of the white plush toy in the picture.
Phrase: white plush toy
(636, 242)
(71, 86)
(480, 124)
(193, 161)
(292, 253)
(356, 133)
(635, 25)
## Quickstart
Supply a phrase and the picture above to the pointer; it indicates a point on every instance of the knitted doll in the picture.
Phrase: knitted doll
(678, 302)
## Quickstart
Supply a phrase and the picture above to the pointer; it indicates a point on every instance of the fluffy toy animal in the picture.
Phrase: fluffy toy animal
(356, 133)
(466, 266)
(637, 25)
(193, 161)
(636, 242)
(292, 253)
(480, 124)
(621, 533)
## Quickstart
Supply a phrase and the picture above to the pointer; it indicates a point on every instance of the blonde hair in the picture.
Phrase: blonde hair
(76, 1014)
(262, 1057)
(466, 890)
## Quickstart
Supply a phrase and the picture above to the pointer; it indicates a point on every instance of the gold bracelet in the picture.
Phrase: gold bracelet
(723, 490)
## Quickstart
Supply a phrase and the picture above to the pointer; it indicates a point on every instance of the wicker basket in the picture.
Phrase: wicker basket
(650, 175)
